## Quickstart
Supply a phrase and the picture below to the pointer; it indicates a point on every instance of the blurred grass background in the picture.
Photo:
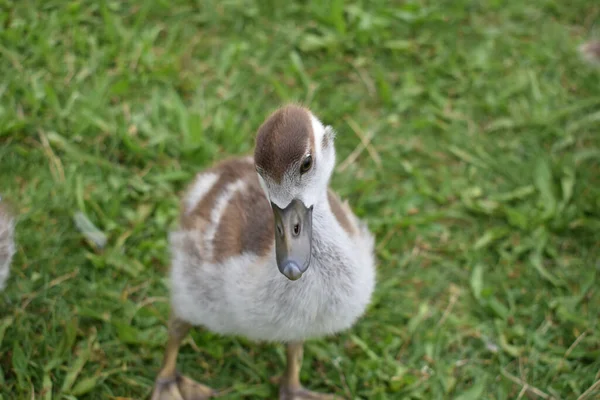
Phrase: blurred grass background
(468, 138)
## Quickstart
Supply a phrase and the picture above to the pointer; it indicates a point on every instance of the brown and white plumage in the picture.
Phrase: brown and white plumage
(224, 272)
(266, 250)
(229, 188)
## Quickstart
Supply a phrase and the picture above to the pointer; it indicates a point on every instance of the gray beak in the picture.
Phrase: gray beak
(293, 238)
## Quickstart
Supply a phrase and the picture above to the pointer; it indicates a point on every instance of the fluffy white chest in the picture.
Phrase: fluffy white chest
(246, 295)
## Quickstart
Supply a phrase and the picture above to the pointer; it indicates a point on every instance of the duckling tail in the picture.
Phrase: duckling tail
(7, 244)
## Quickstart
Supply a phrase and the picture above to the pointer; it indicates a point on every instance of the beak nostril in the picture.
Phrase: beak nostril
(280, 230)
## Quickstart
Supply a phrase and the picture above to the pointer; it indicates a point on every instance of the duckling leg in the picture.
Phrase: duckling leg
(169, 384)
(290, 387)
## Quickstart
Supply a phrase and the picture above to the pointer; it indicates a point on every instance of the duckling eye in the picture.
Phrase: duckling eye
(306, 164)
(296, 229)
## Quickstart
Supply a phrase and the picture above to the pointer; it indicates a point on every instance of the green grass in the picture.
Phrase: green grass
(481, 182)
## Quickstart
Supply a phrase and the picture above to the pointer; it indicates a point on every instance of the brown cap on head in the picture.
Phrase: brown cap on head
(283, 140)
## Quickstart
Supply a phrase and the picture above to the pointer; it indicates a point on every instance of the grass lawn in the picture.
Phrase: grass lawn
(468, 138)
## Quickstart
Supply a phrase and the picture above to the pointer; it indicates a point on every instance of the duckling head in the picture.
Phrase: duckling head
(294, 158)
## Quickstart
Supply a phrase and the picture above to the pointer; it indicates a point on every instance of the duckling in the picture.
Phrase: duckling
(265, 250)
(7, 244)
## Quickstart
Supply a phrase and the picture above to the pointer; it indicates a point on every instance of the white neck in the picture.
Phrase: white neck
(326, 227)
